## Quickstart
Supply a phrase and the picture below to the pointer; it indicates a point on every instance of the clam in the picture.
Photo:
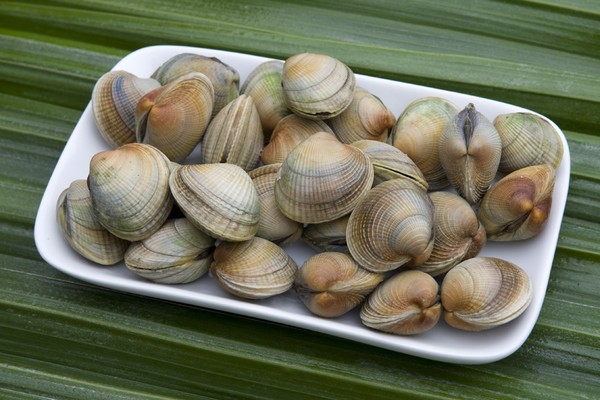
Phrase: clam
(176, 253)
(224, 78)
(322, 179)
(263, 84)
(366, 118)
(317, 86)
(470, 150)
(253, 269)
(289, 133)
(391, 226)
(327, 236)
(114, 99)
(484, 292)
(272, 225)
(417, 133)
(404, 304)
(173, 118)
(234, 135)
(390, 163)
(219, 199)
(457, 231)
(75, 216)
(518, 205)
(331, 284)
(130, 190)
(527, 139)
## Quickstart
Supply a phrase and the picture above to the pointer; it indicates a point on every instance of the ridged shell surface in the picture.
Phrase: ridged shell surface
(366, 118)
(518, 205)
(234, 135)
(527, 139)
(484, 292)
(327, 236)
(390, 163)
(253, 269)
(417, 133)
(331, 284)
(289, 133)
(470, 150)
(114, 99)
(458, 233)
(174, 117)
(392, 226)
(263, 84)
(405, 304)
(219, 199)
(224, 78)
(322, 179)
(130, 190)
(317, 86)
(177, 253)
(273, 225)
(81, 229)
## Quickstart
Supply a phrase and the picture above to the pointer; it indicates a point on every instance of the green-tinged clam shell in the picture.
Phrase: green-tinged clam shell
(81, 229)
(177, 253)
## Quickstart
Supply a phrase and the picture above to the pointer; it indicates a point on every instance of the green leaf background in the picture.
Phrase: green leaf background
(63, 338)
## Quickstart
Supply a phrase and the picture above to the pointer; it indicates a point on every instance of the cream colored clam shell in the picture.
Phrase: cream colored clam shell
(81, 229)
(331, 284)
(219, 199)
(404, 304)
(484, 292)
(253, 269)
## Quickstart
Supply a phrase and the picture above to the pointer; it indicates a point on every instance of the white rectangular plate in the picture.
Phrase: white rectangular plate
(441, 343)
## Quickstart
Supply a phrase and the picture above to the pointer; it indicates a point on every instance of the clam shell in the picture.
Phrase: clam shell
(81, 229)
(327, 236)
(331, 284)
(253, 269)
(219, 199)
(224, 78)
(114, 98)
(317, 86)
(263, 84)
(176, 253)
(417, 133)
(404, 304)
(273, 225)
(322, 179)
(527, 139)
(470, 150)
(457, 231)
(234, 135)
(366, 118)
(392, 226)
(484, 292)
(518, 205)
(390, 163)
(173, 118)
(130, 190)
(289, 133)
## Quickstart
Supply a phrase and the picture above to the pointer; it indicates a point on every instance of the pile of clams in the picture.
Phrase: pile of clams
(397, 208)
